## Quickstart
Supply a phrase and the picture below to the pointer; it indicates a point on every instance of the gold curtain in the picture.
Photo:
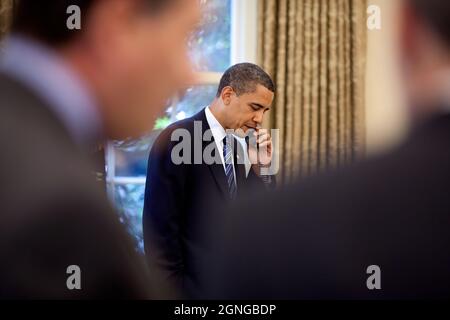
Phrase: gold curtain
(5, 16)
(315, 50)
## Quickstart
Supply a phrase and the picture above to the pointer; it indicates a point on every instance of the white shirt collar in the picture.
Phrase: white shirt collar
(217, 130)
(219, 134)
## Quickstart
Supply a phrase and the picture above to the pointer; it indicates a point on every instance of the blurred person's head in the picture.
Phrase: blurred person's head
(425, 53)
(132, 53)
(244, 95)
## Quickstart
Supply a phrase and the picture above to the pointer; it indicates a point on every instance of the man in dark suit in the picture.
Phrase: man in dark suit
(61, 91)
(196, 166)
(378, 230)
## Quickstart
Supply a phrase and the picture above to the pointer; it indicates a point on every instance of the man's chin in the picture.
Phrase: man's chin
(242, 131)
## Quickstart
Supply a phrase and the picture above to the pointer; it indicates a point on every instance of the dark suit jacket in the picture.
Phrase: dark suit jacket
(53, 214)
(316, 239)
(178, 199)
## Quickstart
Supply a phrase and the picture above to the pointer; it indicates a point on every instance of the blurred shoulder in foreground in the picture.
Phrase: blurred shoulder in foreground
(53, 215)
(62, 91)
(315, 240)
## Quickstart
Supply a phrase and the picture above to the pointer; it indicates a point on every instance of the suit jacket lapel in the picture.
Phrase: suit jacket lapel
(219, 175)
(216, 170)
(239, 165)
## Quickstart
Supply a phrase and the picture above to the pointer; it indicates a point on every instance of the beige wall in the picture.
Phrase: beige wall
(386, 117)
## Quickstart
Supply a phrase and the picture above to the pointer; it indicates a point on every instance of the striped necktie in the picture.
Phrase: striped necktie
(229, 170)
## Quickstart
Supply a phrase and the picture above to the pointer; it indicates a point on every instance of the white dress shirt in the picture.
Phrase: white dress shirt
(219, 134)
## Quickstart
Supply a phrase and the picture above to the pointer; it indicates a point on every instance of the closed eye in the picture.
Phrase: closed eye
(257, 106)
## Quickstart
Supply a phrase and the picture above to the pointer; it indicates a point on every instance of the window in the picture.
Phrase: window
(219, 41)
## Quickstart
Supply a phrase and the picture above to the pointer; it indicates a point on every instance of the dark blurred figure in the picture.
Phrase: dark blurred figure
(180, 198)
(317, 239)
(60, 92)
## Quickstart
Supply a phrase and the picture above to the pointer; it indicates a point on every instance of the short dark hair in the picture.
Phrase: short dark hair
(46, 20)
(244, 77)
(437, 15)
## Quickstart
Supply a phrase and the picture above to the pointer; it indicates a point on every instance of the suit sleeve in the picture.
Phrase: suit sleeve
(263, 183)
(162, 218)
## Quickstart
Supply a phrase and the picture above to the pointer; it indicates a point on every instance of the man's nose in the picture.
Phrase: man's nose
(258, 118)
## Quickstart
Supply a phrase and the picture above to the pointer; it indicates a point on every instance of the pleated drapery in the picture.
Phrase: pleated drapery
(315, 50)
(5, 16)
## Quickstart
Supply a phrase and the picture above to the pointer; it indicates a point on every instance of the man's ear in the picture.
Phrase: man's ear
(227, 94)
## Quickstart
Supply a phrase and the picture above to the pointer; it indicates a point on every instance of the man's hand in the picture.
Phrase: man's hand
(260, 149)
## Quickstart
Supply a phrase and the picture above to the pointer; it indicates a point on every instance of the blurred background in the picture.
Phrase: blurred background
(337, 100)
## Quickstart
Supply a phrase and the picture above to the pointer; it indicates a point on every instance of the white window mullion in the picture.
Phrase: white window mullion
(110, 170)
(208, 78)
(244, 31)
(121, 181)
